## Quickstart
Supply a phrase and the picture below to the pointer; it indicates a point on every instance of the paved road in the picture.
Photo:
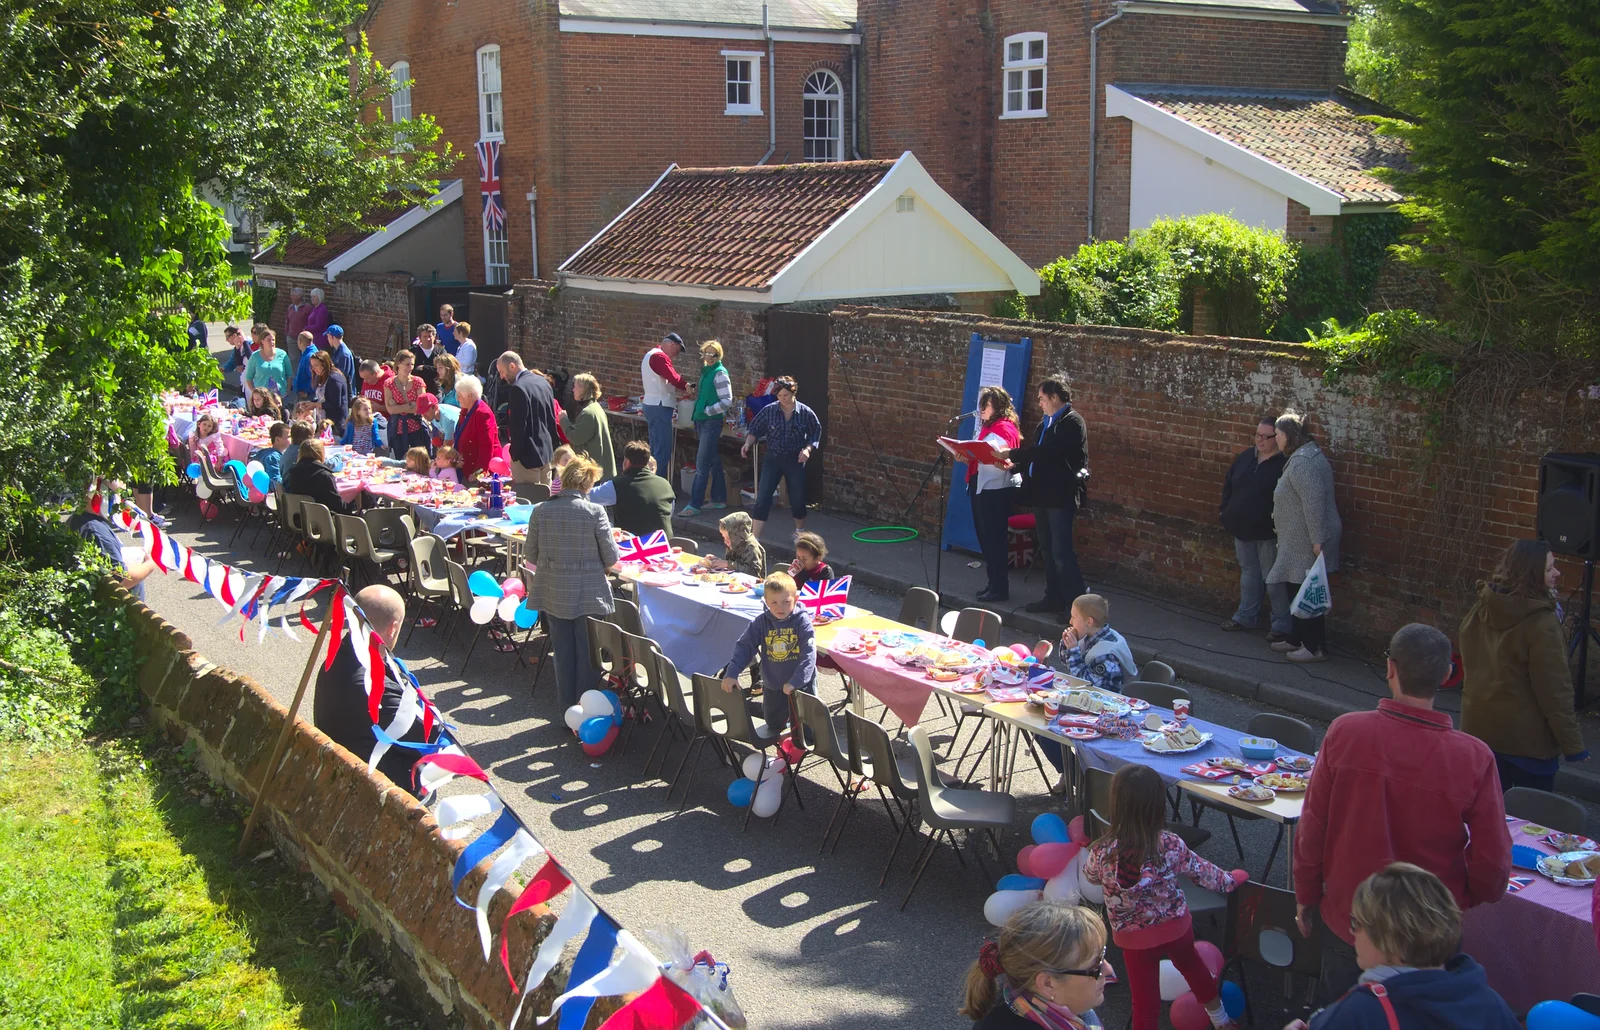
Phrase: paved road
(812, 941)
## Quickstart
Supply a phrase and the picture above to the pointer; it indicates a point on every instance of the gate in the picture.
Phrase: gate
(797, 345)
(491, 325)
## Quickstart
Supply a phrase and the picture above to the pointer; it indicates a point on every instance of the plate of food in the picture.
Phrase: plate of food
(969, 687)
(1252, 792)
(736, 586)
(1176, 741)
(1096, 703)
(1080, 733)
(1230, 764)
(1570, 842)
(1284, 782)
(1295, 763)
(1535, 830)
(1572, 868)
(943, 674)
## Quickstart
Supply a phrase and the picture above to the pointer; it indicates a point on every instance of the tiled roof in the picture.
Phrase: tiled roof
(303, 252)
(820, 15)
(1320, 136)
(727, 227)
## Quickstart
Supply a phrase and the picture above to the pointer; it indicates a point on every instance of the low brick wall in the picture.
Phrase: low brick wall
(378, 852)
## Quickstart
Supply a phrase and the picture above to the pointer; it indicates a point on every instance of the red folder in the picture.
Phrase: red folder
(973, 452)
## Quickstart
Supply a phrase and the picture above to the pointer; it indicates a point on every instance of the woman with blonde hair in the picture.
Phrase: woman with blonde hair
(1047, 968)
(589, 431)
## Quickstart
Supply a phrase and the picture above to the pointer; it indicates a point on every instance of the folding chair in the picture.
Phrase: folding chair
(736, 725)
(948, 809)
(1157, 672)
(811, 713)
(322, 536)
(872, 755)
(428, 578)
(1260, 927)
(1545, 809)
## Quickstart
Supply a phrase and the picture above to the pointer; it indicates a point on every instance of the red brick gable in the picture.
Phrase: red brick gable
(729, 227)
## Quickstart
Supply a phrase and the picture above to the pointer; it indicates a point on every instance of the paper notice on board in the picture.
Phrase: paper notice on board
(993, 370)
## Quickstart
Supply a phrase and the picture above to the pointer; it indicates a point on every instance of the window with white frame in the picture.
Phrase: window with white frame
(496, 256)
(1024, 72)
(821, 121)
(490, 123)
(743, 76)
(400, 99)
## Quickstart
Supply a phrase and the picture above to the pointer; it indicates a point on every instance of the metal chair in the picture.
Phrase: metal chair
(1160, 694)
(1157, 672)
(872, 754)
(429, 579)
(1545, 809)
(1260, 927)
(975, 624)
(736, 725)
(947, 809)
(687, 544)
(919, 608)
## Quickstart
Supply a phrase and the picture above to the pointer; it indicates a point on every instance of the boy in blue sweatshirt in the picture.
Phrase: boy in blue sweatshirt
(787, 645)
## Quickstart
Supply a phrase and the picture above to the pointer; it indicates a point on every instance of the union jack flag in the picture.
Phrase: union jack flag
(828, 596)
(494, 206)
(644, 548)
(211, 398)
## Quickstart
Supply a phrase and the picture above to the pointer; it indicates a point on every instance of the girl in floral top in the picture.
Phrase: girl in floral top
(1137, 864)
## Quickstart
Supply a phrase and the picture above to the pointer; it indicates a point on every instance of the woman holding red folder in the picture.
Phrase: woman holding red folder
(993, 489)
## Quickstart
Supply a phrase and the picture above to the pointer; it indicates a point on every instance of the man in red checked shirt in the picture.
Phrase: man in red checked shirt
(663, 386)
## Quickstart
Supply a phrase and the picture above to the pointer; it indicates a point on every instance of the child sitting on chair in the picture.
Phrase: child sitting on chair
(1094, 651)
(783, 639)
(444, 466)
(808, 566)
(418, 462)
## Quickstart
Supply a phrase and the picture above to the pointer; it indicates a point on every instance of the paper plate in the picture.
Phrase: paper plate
(1248, 792)
(1546, 868)
(1138, 704)
(1205, 738)
(1080, 733)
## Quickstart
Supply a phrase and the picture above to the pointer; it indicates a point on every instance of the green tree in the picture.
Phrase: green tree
(1243, 271)
(1376, 63)
(115, 111)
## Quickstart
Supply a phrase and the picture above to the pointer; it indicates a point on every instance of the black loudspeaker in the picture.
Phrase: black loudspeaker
(1569, 503)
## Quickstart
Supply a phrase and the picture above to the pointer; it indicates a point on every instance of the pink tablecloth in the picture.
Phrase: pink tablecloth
(1537, 944)
(904, 691)
(238, 447)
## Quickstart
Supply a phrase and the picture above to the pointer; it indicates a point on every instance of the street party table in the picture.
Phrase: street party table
(904, 690)
(1538, 943)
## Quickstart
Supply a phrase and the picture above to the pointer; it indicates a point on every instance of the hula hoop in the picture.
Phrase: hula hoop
(906, 533)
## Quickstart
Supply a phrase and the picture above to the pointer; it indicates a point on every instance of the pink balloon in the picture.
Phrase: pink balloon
(1211, 955)
(1024, 860)
(1020, 651)
(1048, 860)
(1188, 1014)
(1075, 831)
(500, 465)
(514, 587)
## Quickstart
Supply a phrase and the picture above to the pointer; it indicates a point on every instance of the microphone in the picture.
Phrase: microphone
(965, 415)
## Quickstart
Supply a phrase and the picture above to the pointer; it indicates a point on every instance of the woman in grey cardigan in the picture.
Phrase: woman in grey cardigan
(589, 431)
(571, 547)
(1307, 523)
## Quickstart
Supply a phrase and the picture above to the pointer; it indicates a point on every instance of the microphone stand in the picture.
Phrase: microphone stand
(949, 486)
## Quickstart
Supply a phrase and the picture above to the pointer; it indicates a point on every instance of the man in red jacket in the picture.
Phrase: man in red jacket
(1400, 784)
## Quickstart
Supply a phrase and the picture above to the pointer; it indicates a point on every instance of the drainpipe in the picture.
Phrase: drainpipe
(1094, 108)
(533, 221)
(855, 118)
(772, 90)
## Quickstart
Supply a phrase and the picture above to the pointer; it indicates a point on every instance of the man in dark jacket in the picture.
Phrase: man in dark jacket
(644, 499)
(530, 420)
(1055, 473)
(1247, 514)
(339, 707)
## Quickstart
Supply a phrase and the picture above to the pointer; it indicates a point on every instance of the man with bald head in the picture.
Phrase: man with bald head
(339, 708)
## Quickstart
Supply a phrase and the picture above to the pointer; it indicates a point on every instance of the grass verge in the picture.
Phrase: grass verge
(122, 905)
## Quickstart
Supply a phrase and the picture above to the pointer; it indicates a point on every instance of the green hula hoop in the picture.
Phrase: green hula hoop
(906, 533)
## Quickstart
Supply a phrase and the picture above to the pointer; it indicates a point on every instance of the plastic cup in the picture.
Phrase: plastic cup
(1180, 709)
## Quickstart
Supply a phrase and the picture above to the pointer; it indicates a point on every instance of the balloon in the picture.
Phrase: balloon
(616, 702)
(1211, 955)
(979, 643)
(1075, 831)
(1173, 985)
(1233, 999)
(193, 471)
(594, 729)
(596, 704)
(499, 465)
(482, 584)
(948, 623)
(1064, 888)
(1018, 882)
(768, 797)
(514, 587)
(261, 484)
(508, 608)
(1091, 891)
(1002, 904)
(1050, 859)
(525, 617)
(596, 750)
(1024, 860)
(209, 510)
(741, 793)
(1002, 652)
(482, 611)
(1021, 652)
(1188, 1014)
(1559, 1015)
(574, 717)
(752, 766)
(251, 469)
(202, 489)
(1049, 829)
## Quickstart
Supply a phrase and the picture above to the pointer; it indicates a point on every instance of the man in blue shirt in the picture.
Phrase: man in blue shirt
(343, 359)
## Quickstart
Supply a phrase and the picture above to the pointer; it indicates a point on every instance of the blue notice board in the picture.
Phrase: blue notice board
(989, 363)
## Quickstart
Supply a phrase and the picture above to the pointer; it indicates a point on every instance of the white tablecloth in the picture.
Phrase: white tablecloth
(696, 626)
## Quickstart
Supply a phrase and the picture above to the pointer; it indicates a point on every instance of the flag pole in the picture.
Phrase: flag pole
(288, 728)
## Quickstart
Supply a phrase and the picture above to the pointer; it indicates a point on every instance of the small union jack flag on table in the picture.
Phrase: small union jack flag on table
(494, 205)
(644, 548)
(826, 597)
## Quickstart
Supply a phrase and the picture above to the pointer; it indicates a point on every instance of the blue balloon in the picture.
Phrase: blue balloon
(193, 471)
(616, 702)
(335, 462)
(1559, 1015)
(261, 481)
(1050, 829)
(482, 584)
(1018, 882)
(526, 618)
(740, 792)
(979, 643)
(1232, 998)
(593, 731)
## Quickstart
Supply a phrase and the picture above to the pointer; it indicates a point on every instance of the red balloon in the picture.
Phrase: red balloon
(1048, 860)
(1188, 1014)
(596, 750)
(1024, 859)
(1211, 955)
(1076, 832)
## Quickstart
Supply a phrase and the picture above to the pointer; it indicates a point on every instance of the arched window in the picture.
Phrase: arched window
(400, 100)
(822, 121)
(490, 123)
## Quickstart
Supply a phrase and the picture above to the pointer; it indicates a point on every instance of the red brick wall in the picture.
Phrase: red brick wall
(1301, 225)
(372, 308)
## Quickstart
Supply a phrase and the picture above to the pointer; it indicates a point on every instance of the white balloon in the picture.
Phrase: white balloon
(508, 608)
(752, 766)
(1063, 887)
(948, 623)
(482, 610)
(272, 502)
(773, 765)
(202, 490)
(768, 797)
(595, 704)
(251, 469)
(1002, 904)
(1091, 891)
(575, 717)
(1173, 985)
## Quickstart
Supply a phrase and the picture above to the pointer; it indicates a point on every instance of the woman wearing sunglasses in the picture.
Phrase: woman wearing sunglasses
(1047, 969)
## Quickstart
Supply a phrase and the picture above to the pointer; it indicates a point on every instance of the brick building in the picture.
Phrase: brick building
(591, 99)
(997, 101)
